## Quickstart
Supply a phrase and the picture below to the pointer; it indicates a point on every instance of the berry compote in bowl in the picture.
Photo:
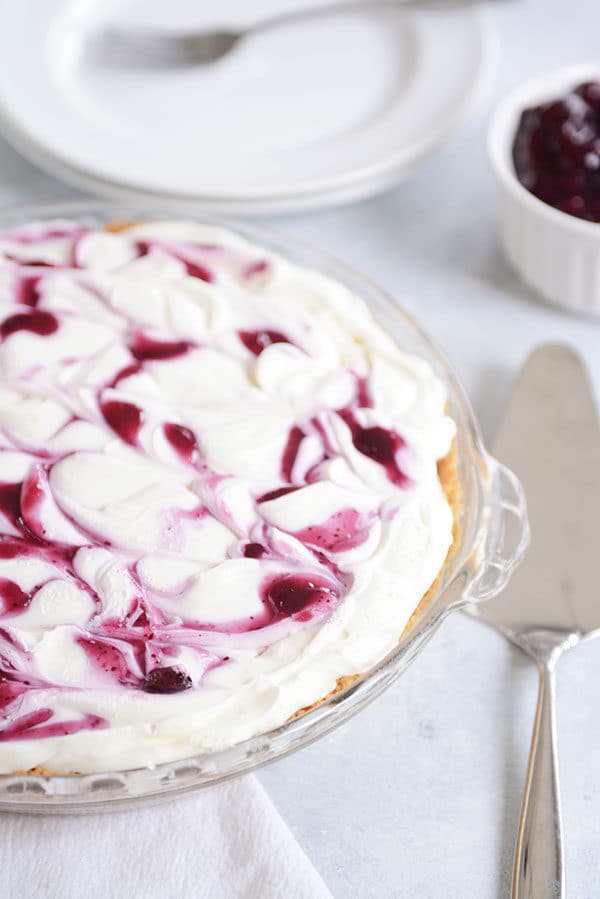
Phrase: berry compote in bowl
(491, 535)
(544, 147)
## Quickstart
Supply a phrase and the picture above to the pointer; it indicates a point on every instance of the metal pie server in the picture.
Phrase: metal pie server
(550, 437)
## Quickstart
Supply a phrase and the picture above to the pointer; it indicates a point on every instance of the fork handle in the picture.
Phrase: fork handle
(539, 864)
(338, 7)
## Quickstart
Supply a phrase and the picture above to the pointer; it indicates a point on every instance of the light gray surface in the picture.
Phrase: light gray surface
(419, 796)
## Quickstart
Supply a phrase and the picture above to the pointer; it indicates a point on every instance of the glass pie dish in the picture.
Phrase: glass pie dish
(492, 536)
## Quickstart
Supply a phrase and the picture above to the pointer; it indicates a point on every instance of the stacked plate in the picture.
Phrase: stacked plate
(322, 111)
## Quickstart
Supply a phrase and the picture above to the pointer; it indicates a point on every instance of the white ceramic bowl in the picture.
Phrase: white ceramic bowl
(556, 254)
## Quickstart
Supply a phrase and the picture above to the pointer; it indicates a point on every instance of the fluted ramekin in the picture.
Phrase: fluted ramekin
(556, 254)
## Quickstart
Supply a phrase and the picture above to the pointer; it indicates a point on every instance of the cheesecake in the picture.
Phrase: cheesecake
(225, 492)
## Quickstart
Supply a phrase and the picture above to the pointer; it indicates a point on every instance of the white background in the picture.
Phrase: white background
(419, 795)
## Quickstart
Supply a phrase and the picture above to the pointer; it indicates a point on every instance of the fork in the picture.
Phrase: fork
(151, 47)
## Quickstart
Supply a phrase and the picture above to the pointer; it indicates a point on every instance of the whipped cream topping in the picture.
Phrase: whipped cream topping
(218, 492)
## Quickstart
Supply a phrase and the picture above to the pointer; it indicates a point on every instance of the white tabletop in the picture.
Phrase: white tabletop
(419, 795)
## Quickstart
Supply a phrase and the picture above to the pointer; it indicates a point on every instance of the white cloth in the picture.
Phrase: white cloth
(228, 842)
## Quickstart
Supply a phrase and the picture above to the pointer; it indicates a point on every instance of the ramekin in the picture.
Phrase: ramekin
(556, 254)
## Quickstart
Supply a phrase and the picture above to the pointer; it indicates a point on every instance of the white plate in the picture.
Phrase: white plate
(321, 111)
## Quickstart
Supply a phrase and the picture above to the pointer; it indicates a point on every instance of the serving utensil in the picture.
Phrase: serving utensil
(151, 47)
(550, 437)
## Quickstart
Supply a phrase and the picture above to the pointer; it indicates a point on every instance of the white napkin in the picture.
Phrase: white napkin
(228, 842)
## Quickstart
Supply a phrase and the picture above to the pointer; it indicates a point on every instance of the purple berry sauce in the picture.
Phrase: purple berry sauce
(257, 341)
(379, 444)
(125, 419)
(556, 152)
(36, 322)
(166, 680)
